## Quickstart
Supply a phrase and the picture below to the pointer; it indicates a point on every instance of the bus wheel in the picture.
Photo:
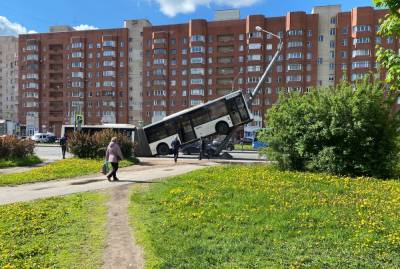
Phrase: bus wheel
(163, 149)
(222, 128)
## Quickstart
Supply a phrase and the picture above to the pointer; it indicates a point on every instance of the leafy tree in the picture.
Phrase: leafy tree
(348, 130)
(390, 27)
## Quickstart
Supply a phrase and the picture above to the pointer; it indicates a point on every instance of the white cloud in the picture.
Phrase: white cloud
(84, 27)
(173, 7)
(12, 28)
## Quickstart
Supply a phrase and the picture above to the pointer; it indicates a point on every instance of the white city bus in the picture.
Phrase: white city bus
(218, 116)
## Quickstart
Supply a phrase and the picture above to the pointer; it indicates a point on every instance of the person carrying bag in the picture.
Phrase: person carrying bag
(113, 155)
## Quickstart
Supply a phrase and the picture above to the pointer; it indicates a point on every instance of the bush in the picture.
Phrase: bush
(348, 130)
(12, 147)
(85, 145)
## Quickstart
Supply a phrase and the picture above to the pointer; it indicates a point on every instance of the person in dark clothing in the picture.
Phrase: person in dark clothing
(63, 144)
(202, 148)
(175, 148)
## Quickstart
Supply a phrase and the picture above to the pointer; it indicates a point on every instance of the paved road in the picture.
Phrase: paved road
(150, 170)
(50, 152)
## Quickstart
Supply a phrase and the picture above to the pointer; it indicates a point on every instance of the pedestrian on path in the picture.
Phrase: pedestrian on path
(175, 148)
(113, 156)
(63, 144)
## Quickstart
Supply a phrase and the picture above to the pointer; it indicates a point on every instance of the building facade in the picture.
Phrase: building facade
(188, 64)
(9, 78)
(135, 68)
(66, 73)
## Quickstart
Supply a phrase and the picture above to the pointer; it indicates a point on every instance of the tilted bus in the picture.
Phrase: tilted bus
(218, 116)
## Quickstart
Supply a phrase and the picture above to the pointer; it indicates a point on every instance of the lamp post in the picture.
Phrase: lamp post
(263, 77)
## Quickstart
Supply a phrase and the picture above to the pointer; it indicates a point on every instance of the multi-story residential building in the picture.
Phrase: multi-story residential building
(69, 72)
(9, 78)
(135, 68)
(191, 63)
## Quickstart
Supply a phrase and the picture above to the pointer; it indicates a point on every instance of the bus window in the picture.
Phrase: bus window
(244, 115)
(217, 110)
(170, 127)
(187, 131)
(156, 132)
(233, 112)
(200, 117)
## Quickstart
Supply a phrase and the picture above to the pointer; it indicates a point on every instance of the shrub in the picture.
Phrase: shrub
(348, 130)
(85, 145)
(12, 147)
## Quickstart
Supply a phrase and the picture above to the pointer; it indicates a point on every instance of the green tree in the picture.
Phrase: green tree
(348, 130)
(390, 27)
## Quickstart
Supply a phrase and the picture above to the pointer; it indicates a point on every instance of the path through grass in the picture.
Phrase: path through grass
(253, 216)
(67, 168)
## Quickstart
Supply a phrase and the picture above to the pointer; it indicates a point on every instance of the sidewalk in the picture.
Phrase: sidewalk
(149, 170)
(20, 169)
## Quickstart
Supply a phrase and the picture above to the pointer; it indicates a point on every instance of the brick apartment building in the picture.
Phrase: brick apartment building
(66, 72)
(187, 64)
(9, 78)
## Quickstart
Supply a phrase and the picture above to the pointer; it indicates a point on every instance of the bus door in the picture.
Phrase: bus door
(186, 131)
(237, 110)
(233, 111)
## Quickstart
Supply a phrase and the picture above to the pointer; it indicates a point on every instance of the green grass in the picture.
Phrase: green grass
(253, 216)
(66, 168)
(65, 232)
(27, 161)
(245, 147)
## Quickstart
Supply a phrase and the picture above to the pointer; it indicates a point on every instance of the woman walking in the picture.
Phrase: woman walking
(113, 156)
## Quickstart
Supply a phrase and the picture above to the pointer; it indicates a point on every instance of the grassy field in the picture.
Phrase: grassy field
(257, 217)
(66, 232)
(27, 161)
(66, 168)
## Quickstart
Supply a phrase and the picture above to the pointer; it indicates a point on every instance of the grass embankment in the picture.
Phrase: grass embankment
(67, 168)
(27, 161)
(65, 232)
(257, 217)
(245, 147)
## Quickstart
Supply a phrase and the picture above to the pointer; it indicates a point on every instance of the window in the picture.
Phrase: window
(389, 40)
(295, 32)
(254, 57)
(361, 40)
(109, 43)
(108, 73)
(77, 54)
(253, 68)
(77, 64)
(197, 60)
(309, 55)
(197, 38)
(294, 55)
(160, 51)
(332, 44)
(361, 28)
(343, 54)
(333, 20)
(294, 78)
(331, 66)
(160, 61)
(345, 30)
(319, 61)
(343, 66)
(255, 46)
(109, 53)
(294, 44)
(197, 49)
(159, 41)
(77, 74)
(344, 42)
(309, 33)
(294, 67)
(77, 45)
(197, 92)
(279, 68)
(332, 31)
(109, 63)
(332, 54)
(195, 81)
(360, 64)
(361, 52)
(197, 71)
(254, 34)
(378, 40)
(321, 38)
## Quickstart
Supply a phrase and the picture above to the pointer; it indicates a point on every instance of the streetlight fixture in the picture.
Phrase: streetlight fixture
(263, 77)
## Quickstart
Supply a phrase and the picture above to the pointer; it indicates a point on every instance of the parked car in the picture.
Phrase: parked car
(246, 140)
(257, 144)
(40, 138)
(194, 148)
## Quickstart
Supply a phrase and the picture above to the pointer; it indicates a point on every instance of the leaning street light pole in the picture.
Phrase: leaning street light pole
(263, 77)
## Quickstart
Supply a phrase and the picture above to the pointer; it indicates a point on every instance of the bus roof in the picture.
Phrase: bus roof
(182, 112)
